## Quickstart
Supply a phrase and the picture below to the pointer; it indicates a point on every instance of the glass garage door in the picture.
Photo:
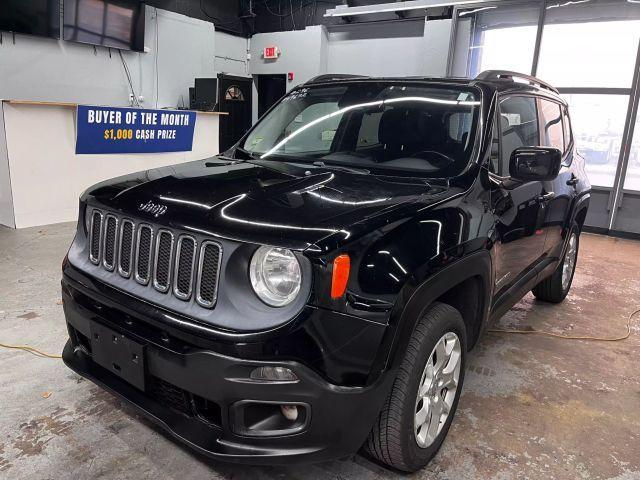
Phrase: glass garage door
(589, 49)
(495, 37)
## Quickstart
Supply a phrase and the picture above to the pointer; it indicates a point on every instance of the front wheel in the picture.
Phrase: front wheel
(420, 407)
(555, 288)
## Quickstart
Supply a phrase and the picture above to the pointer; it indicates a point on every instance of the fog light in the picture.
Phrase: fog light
(290, 412)
(269, 418)
(273, 374)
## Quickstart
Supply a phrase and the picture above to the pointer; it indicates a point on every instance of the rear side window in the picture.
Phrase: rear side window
(518, 127)
(551, 119)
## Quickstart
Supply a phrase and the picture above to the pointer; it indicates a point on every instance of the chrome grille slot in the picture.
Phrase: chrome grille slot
(125, 248)
(163, 260)
(95, 237)
(143, 254)
(208, 273)
(185, 262)
(109, 242)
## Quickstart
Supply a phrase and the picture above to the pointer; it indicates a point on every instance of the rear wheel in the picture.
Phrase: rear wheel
(420, 407)
(555, 288)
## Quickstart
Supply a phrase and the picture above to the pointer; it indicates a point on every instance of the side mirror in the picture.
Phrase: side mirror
(535, 163)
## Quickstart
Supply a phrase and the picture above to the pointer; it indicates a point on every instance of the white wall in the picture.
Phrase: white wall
(386, 49)
(48, 70)
(404, 48)
(45, 69)
(437, 38)
(185, 50)
(231, 54)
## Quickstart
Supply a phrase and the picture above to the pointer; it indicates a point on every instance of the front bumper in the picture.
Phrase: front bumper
(195, 393)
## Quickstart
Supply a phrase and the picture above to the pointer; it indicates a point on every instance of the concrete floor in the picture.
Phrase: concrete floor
(532, 407)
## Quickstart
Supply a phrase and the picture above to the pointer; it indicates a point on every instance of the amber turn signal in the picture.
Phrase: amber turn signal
(341, 267)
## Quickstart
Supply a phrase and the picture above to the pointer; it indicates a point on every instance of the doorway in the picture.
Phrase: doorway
(271, 88)
(234, 97)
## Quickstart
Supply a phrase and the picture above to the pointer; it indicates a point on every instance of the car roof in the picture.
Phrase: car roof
(496, 80)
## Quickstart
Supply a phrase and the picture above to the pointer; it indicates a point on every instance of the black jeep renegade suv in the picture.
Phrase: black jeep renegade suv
(317, 289)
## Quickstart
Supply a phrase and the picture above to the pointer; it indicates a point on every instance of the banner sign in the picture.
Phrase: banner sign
(133, 130)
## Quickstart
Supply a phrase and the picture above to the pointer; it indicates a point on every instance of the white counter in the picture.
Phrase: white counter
(41, 177)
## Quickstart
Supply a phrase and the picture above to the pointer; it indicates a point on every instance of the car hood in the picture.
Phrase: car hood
(273, 203)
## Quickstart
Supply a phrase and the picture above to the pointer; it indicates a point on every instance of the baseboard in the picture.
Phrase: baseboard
(611, 233)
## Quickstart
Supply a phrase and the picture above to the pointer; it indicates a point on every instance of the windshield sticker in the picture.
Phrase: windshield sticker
(297, 94)
(255, 141)
(327, 135)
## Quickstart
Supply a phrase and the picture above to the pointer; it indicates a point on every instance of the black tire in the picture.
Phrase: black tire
(392, 440)
(551, 289)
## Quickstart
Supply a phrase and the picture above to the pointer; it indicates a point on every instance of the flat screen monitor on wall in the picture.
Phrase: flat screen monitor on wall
(33, 17)
(109, 23)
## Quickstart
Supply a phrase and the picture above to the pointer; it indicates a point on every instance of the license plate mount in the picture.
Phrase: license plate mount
(118, 354)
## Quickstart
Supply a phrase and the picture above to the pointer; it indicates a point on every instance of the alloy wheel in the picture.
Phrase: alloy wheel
(437, 389)
(569, 262)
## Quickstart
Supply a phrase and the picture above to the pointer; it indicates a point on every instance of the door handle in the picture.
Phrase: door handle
(573, 181)
(546, 197)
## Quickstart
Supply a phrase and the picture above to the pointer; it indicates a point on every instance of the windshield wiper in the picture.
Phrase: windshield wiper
(341, 167)
(251, 155)
(233, 161)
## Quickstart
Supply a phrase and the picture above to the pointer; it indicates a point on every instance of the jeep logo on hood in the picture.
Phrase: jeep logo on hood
(154, 209)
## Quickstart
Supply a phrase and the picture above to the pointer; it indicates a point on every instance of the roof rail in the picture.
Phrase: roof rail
(508, 75)
(329, 77)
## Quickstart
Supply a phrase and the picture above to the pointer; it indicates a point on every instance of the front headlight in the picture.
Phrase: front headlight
(275, 275)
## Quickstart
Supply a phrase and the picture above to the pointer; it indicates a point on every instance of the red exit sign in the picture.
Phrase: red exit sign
(270, 52)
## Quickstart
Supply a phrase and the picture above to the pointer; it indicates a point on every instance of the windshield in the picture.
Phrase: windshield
(430, 129)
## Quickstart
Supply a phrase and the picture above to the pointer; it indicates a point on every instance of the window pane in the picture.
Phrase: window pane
(598, 122)
(632, 180)
(552, 135)
(495, 38)
(518, 126)
(318, 138)
(590, 44)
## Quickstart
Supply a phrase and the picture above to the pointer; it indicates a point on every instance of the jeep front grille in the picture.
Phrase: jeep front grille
(125, 248)
(208, 272)
(160, 258)
(109, 243)
(185, 261)
(143, 254)
(162, 261)
(94, 237)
